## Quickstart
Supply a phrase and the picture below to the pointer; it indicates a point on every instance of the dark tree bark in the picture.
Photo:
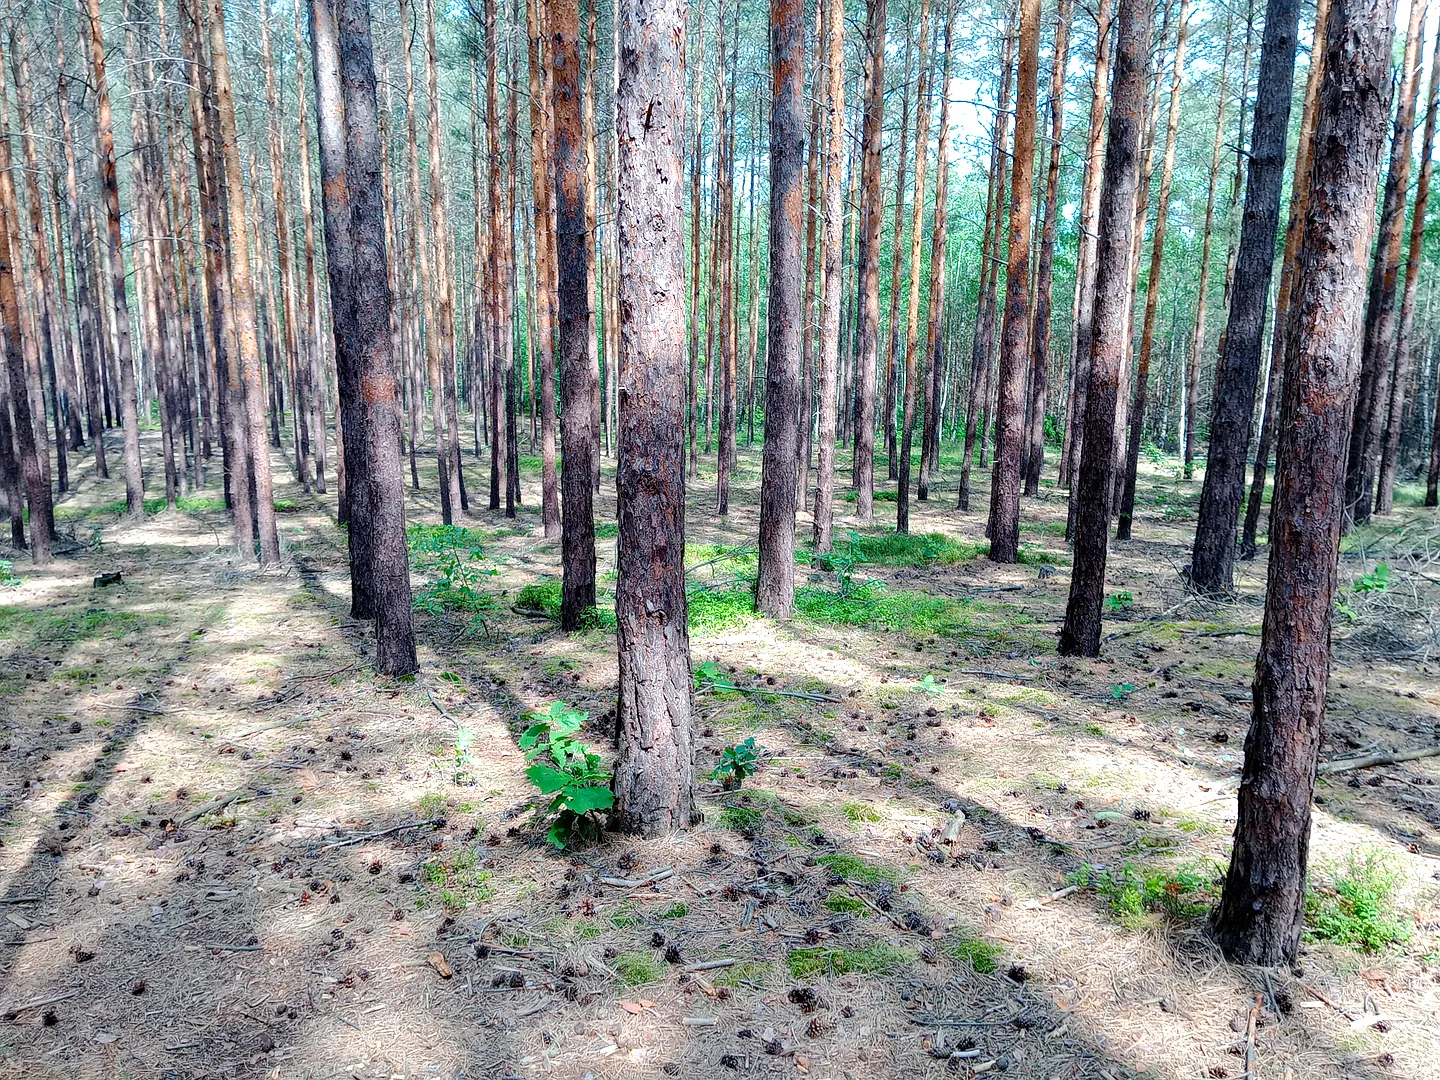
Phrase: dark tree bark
(1262, 904)
(872, 218)
(350, 152)
(1377, 358)
(1152, 287)
(1045, 272)
(775, 585)
(1212, 565)
(1094, 481)
(577, 390)
(655, 769)
(912, 324)
(544, 239)
(1299, 194)
(1004, 525)
(812, 221)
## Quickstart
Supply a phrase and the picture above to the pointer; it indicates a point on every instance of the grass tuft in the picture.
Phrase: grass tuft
(872, 960)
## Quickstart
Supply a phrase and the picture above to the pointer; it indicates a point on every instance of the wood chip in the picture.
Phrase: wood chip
(437, 961)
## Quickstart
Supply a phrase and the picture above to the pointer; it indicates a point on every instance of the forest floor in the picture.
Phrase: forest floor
(230, 849)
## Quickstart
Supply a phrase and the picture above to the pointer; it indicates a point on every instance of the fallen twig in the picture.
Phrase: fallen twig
(982, 673)
(802, 694)
(212, 807)
(377, 835)
(38, 1003)
(34, 898)
(326, 674)
(1326, 768)
(637, 883)
(710, 965)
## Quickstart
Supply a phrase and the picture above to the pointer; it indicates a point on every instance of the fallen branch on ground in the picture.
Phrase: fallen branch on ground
(636, 883)
(377, 835)
(1326, 768)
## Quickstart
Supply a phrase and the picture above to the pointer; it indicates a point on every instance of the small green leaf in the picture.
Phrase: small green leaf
(548, 780)
(582, 800)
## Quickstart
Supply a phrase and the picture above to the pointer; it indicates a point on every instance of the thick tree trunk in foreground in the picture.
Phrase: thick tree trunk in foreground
(1045, 273)
(1094, 481)
(110, 194)
(577, 391)
(1004, 526)
(829, 356)
(1152, 288)
(1262, 904)
(360, 298)
(1299, 196)
(912, 323)
(775, 585)
(1212, 564)
(654, 770)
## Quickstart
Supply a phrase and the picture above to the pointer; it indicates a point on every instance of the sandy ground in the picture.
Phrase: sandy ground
(230, 849)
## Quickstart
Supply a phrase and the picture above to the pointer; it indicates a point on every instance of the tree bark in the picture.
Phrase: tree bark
(775, 584)
(1213, 559)
(1262, 904)
(829, 357)
(1004, 525)
(892, 360)
(1152, 287)
(1045, 273)
(544, 238)
(1094, 480)
(577, 390)
(872, 217)
(912, 324)
(654, 771)
(934, 367)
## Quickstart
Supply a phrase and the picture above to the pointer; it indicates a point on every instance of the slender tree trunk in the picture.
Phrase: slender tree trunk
(312, 351)
(110, 193)
(1213, 558)
(1377, 360)
(892, 358)
(654, 771)
(812, 219)
(544, 238)
(1045, 274)
(912, 325)
(930, 377)
(1004, 526)
(1404, 372)
(592, 345)
(871, 219)
(1262, 904)
(775, 585)
(725, 259)
(1152, 288)
(1197, 338)
(692, 398)
(1094, 480)
(829, 357)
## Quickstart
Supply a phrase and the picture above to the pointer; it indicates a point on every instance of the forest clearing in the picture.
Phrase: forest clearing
(847, 540)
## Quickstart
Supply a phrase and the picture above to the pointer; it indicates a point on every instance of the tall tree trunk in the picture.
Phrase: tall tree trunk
(872, 213)
(812, 220)
(1085, 262)
(725, 260)
(892, 358)
(1004, 526)
(931, 374)
(692, 396)
(775, 584)
(1404, 371)
(912, 324)
(654, 771)
(1377, 359)
(243, 297)
(1299, 194)
(1262, 904)
(110, 193)
(360, 302)
(1197, 338)
(989, 270)
(829, 357)
(1213, 559)
(1094, 480)
(312, 353)
(1152, 287)
(544, 238)
(577, 391)
(1045, 273)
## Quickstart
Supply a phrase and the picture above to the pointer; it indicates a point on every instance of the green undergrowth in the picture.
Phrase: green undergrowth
(187, 504)
(980, 955)
(1135, 894)
(875, 959)
(545, 596)
(73, 625)
(1354, 903)
(854, 869)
